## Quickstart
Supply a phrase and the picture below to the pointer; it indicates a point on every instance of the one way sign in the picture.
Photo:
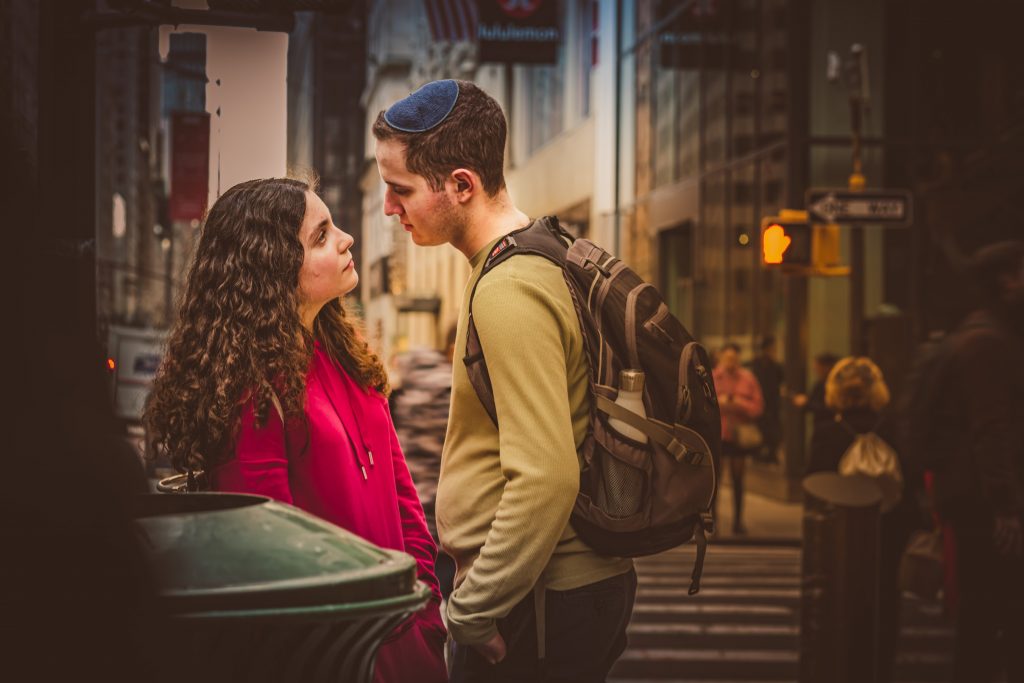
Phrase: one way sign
(830, 205)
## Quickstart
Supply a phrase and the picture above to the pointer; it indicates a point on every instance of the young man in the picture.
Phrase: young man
(505, 492)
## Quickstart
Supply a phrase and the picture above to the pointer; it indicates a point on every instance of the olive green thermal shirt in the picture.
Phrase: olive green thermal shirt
(504, 497)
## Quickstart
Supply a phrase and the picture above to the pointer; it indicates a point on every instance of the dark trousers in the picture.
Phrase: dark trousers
(585, 633)
(990, 615)
(734, 458)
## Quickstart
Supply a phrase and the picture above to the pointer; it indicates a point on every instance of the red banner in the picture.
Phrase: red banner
(190, 165)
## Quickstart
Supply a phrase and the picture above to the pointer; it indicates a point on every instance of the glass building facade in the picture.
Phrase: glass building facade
(711, 158)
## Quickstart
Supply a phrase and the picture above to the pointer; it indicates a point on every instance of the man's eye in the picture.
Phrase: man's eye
(400, 191)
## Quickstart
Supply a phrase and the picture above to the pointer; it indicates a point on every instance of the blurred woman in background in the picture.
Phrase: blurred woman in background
(741, 403)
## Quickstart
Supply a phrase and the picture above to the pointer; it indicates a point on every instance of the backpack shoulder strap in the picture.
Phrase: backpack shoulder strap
(543, 237)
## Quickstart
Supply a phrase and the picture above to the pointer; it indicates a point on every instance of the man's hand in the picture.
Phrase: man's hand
(493, 650)
(1007, 535)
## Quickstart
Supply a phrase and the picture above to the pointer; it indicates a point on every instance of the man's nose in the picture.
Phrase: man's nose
(391, 207)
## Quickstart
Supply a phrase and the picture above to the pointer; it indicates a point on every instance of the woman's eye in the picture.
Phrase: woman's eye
(322, 238)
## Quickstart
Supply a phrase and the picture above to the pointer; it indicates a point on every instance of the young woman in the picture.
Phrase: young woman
(741, 403)
(268, 387)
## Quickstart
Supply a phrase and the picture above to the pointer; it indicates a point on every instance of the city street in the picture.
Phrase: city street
(782, 237)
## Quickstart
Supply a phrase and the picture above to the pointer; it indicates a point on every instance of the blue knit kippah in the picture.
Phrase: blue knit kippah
(425, 108)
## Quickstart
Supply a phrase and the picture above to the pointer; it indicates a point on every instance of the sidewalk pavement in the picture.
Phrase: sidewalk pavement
(767, 520)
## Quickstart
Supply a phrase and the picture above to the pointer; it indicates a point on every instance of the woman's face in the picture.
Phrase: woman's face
(328, 271)
(729, 359)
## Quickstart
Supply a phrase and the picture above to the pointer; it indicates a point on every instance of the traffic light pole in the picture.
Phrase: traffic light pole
(795, 372)
(858, 103)
(856, 290)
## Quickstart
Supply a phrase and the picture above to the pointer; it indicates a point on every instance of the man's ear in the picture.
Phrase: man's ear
(465, 182)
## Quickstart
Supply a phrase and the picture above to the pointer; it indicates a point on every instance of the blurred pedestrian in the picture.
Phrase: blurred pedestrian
(770, 375)
(269, 387)
(531, 601)
(813, 401)
(420, 409)
(741, 403)
(857, 395)
(978, 461)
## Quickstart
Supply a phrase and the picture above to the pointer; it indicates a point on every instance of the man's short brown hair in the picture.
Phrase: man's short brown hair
(472, 136)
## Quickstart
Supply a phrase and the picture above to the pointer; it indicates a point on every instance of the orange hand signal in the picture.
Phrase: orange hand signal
(776, 242)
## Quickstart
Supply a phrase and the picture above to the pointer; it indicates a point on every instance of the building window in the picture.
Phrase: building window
(589, 46)
(676, 252)
(773, 192)
(545, 90)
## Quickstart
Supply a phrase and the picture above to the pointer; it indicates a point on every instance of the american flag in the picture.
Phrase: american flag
(452, 21)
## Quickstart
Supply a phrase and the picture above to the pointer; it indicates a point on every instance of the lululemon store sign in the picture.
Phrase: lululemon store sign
(519, 31)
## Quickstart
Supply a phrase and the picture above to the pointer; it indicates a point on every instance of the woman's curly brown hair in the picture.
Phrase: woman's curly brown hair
(238, 335)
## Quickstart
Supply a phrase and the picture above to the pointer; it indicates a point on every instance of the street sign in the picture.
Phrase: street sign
(832, 205)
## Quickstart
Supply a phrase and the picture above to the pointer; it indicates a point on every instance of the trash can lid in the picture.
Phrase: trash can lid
(224, 552)
(848, 491)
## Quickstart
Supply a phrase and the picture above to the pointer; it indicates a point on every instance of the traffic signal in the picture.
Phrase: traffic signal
(790, 242)
(786, 243)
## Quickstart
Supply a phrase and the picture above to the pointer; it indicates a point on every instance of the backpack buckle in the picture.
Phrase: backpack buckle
(692, 458)
(707, 521)
(601, 269)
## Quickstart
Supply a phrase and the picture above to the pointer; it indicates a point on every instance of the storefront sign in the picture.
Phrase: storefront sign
(519, 31)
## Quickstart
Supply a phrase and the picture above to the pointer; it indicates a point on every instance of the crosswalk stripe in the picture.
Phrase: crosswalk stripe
(776, 593)
(704, 608)
(690, 680)
(721, 581)
(665, 654)
(720, 571)
(924, 632)
(734, 549)
(738, 655)
(651, 628)
(714, 629)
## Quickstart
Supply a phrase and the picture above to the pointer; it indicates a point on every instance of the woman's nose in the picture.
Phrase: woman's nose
(346, 242)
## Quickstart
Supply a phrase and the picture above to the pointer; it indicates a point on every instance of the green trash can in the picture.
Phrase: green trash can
(257, 590)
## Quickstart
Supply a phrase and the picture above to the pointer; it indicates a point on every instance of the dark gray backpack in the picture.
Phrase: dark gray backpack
(635, 499)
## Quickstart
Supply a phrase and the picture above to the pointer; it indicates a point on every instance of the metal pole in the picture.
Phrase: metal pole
(858, 76)
(856, 290)
(617, 218)
(795, 286)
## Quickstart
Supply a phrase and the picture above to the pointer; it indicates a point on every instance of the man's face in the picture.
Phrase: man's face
(431, 218)
(729, 359)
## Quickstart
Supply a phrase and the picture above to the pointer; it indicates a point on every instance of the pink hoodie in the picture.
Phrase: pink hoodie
(350, 432)
(747, 402)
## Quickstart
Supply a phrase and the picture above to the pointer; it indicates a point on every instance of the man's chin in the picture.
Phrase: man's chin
(422, 241)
